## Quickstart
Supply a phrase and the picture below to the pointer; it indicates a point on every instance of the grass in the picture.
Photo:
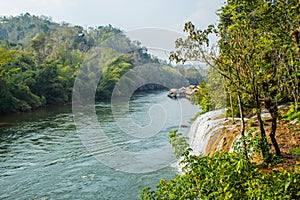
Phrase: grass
(296, 150)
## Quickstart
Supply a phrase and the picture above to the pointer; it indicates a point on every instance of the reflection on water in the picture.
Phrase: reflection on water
(41, 155)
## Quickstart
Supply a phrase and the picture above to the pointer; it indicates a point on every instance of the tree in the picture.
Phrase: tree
(38, 44)
(197, 47)
(254, 54)
(112, 74)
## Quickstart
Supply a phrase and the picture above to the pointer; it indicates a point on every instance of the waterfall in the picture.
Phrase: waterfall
(203, 129)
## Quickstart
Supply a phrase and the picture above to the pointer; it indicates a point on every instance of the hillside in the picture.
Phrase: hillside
(39, 61)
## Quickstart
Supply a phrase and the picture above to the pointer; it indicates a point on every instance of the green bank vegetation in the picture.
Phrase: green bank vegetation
(39, 60)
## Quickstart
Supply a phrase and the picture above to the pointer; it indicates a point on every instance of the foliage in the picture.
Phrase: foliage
(190, 73)
(296, 150)
(256, 55)
(226, 176)
(203, 98)
(253, 147)
(293, 113)
(112, 74)
(178, 142)
(18, 79)
(251, 122)
(210, 94)
(39, 60)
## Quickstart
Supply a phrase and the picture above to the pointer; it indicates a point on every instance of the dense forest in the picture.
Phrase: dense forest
(39, 60)
(255, 65)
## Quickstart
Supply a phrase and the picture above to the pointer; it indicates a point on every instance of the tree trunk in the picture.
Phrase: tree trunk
(273, 135)
(296, 98)
(296, 33)
(242, 125)
(231, 106)
(273, 110)
(263, 136)
(296, 39)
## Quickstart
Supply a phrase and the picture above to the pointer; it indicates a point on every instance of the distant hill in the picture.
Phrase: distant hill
(39, 61)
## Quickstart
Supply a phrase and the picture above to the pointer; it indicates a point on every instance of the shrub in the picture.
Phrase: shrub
(293, 113)
(226, 176)
(296, 150)
(178, 142)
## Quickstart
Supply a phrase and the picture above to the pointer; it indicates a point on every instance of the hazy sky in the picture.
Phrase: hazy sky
(135, 17)
(124, 14)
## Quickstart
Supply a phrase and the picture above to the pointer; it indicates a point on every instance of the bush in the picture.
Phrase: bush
(226, 176)
(202, 97)
(251, 122)
(296, 150)
(293, 113)
(178, 142)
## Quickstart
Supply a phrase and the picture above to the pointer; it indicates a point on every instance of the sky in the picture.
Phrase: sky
(124, 14)
(142, 20)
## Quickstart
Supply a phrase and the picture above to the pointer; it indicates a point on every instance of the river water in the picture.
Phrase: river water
(43, 157)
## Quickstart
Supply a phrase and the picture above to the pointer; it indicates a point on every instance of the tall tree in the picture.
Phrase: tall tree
(255, 55)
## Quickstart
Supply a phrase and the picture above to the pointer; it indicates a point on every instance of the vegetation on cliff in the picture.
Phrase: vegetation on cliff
(257, 61)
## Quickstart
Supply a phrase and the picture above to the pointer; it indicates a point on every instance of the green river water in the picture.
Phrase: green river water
(42, 156)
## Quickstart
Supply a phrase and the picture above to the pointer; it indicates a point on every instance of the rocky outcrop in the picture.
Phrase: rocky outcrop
(204, 129)
(212, 132)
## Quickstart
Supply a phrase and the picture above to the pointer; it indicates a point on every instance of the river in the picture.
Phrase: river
(43, 157)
